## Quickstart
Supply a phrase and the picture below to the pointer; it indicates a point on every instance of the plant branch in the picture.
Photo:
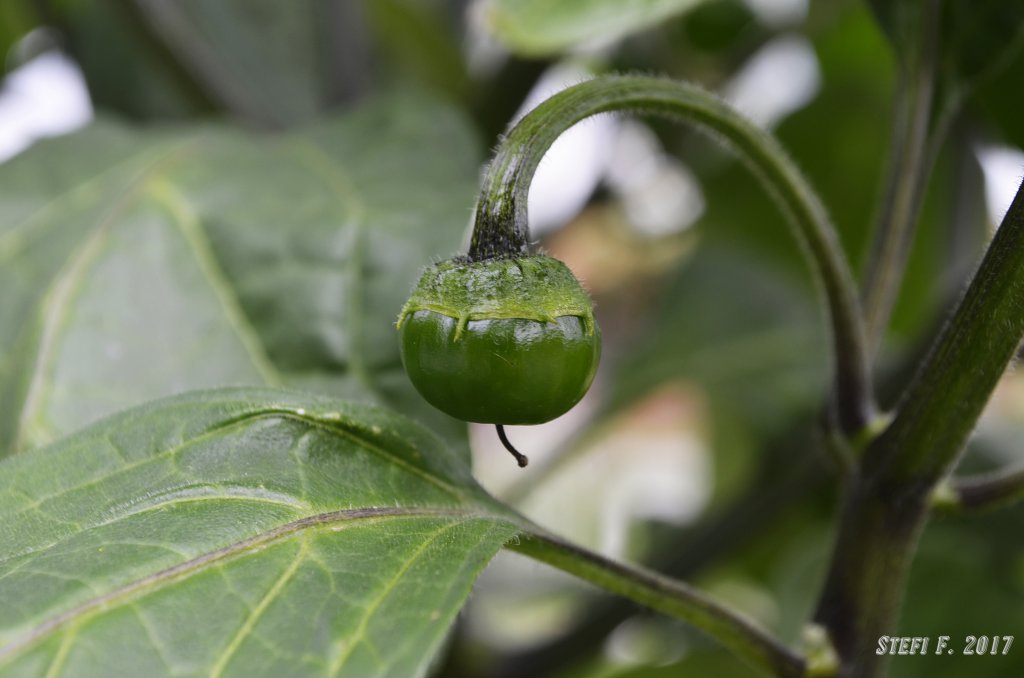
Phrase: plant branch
(743, 637)
(501, 217)
(888, 505)
(943, 403)
(910, 163)
(982, 492)
(790, 470)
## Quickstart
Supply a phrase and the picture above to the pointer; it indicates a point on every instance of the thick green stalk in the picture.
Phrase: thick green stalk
(863, 593)
(501, 219)
(743, 637)
(943, 403)
(889, 501)
(909, 167)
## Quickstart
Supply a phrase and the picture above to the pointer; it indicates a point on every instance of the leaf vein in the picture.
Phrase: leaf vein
(332, 520)
(360, 633)
(254, 615)
(188, 223)
(63, 288)
(338, 179)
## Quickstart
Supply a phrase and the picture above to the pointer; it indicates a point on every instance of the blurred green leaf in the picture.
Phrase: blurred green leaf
(264, 62)
(257, 58)
(126, 69)
(17, 18)
(978, 35)
(752, 340)
(140, 265)
(975, 36)
(700, 663)
(239, 532)
(1000, 101)
(982, 555)
(839, 141)
(716, 28)
(540, 27)
(897, 18)
(414, 37)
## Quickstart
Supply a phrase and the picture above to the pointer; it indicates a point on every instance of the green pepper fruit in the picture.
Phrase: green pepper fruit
(500, 341)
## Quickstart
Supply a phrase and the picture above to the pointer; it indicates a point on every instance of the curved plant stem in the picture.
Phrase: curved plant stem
(745, 639)
(790, 470)
(501, 218)
(982, 492)
(887, 506)
(910, 161)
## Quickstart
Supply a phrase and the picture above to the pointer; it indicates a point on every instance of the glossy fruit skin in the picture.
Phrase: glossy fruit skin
(501, 341)
(503, 370)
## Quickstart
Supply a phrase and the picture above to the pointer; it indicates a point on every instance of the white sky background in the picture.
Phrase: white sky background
(658, 192)
(44, 97)
(1003, 167)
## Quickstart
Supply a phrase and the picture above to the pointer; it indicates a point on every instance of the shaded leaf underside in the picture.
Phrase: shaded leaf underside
(239, 532)
(974, 37)
(135, 266)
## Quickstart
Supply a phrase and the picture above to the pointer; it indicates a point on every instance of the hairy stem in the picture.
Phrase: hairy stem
(909, 164)
(743, 637)
(889, 502)
(790, 470)
(501, 217)
(943, 403)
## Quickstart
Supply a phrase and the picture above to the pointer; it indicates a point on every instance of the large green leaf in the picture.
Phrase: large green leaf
(258, 58)
(239, 532)
(136, 265)
(540, 27)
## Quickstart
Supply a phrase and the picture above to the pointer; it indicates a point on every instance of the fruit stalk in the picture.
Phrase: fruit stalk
(501, 215)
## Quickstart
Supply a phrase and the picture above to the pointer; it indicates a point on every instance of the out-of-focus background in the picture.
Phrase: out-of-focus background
(695, 451)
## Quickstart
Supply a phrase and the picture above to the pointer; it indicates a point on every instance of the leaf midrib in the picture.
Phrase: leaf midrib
(359, 635)
(330, 520)
(63, 287)
(166, 194)
(334, 427)
(335, 176)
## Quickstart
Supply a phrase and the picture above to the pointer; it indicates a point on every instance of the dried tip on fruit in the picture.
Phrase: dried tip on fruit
(521, 458)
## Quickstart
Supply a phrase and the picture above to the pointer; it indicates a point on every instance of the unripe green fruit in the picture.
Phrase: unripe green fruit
(500, 341)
